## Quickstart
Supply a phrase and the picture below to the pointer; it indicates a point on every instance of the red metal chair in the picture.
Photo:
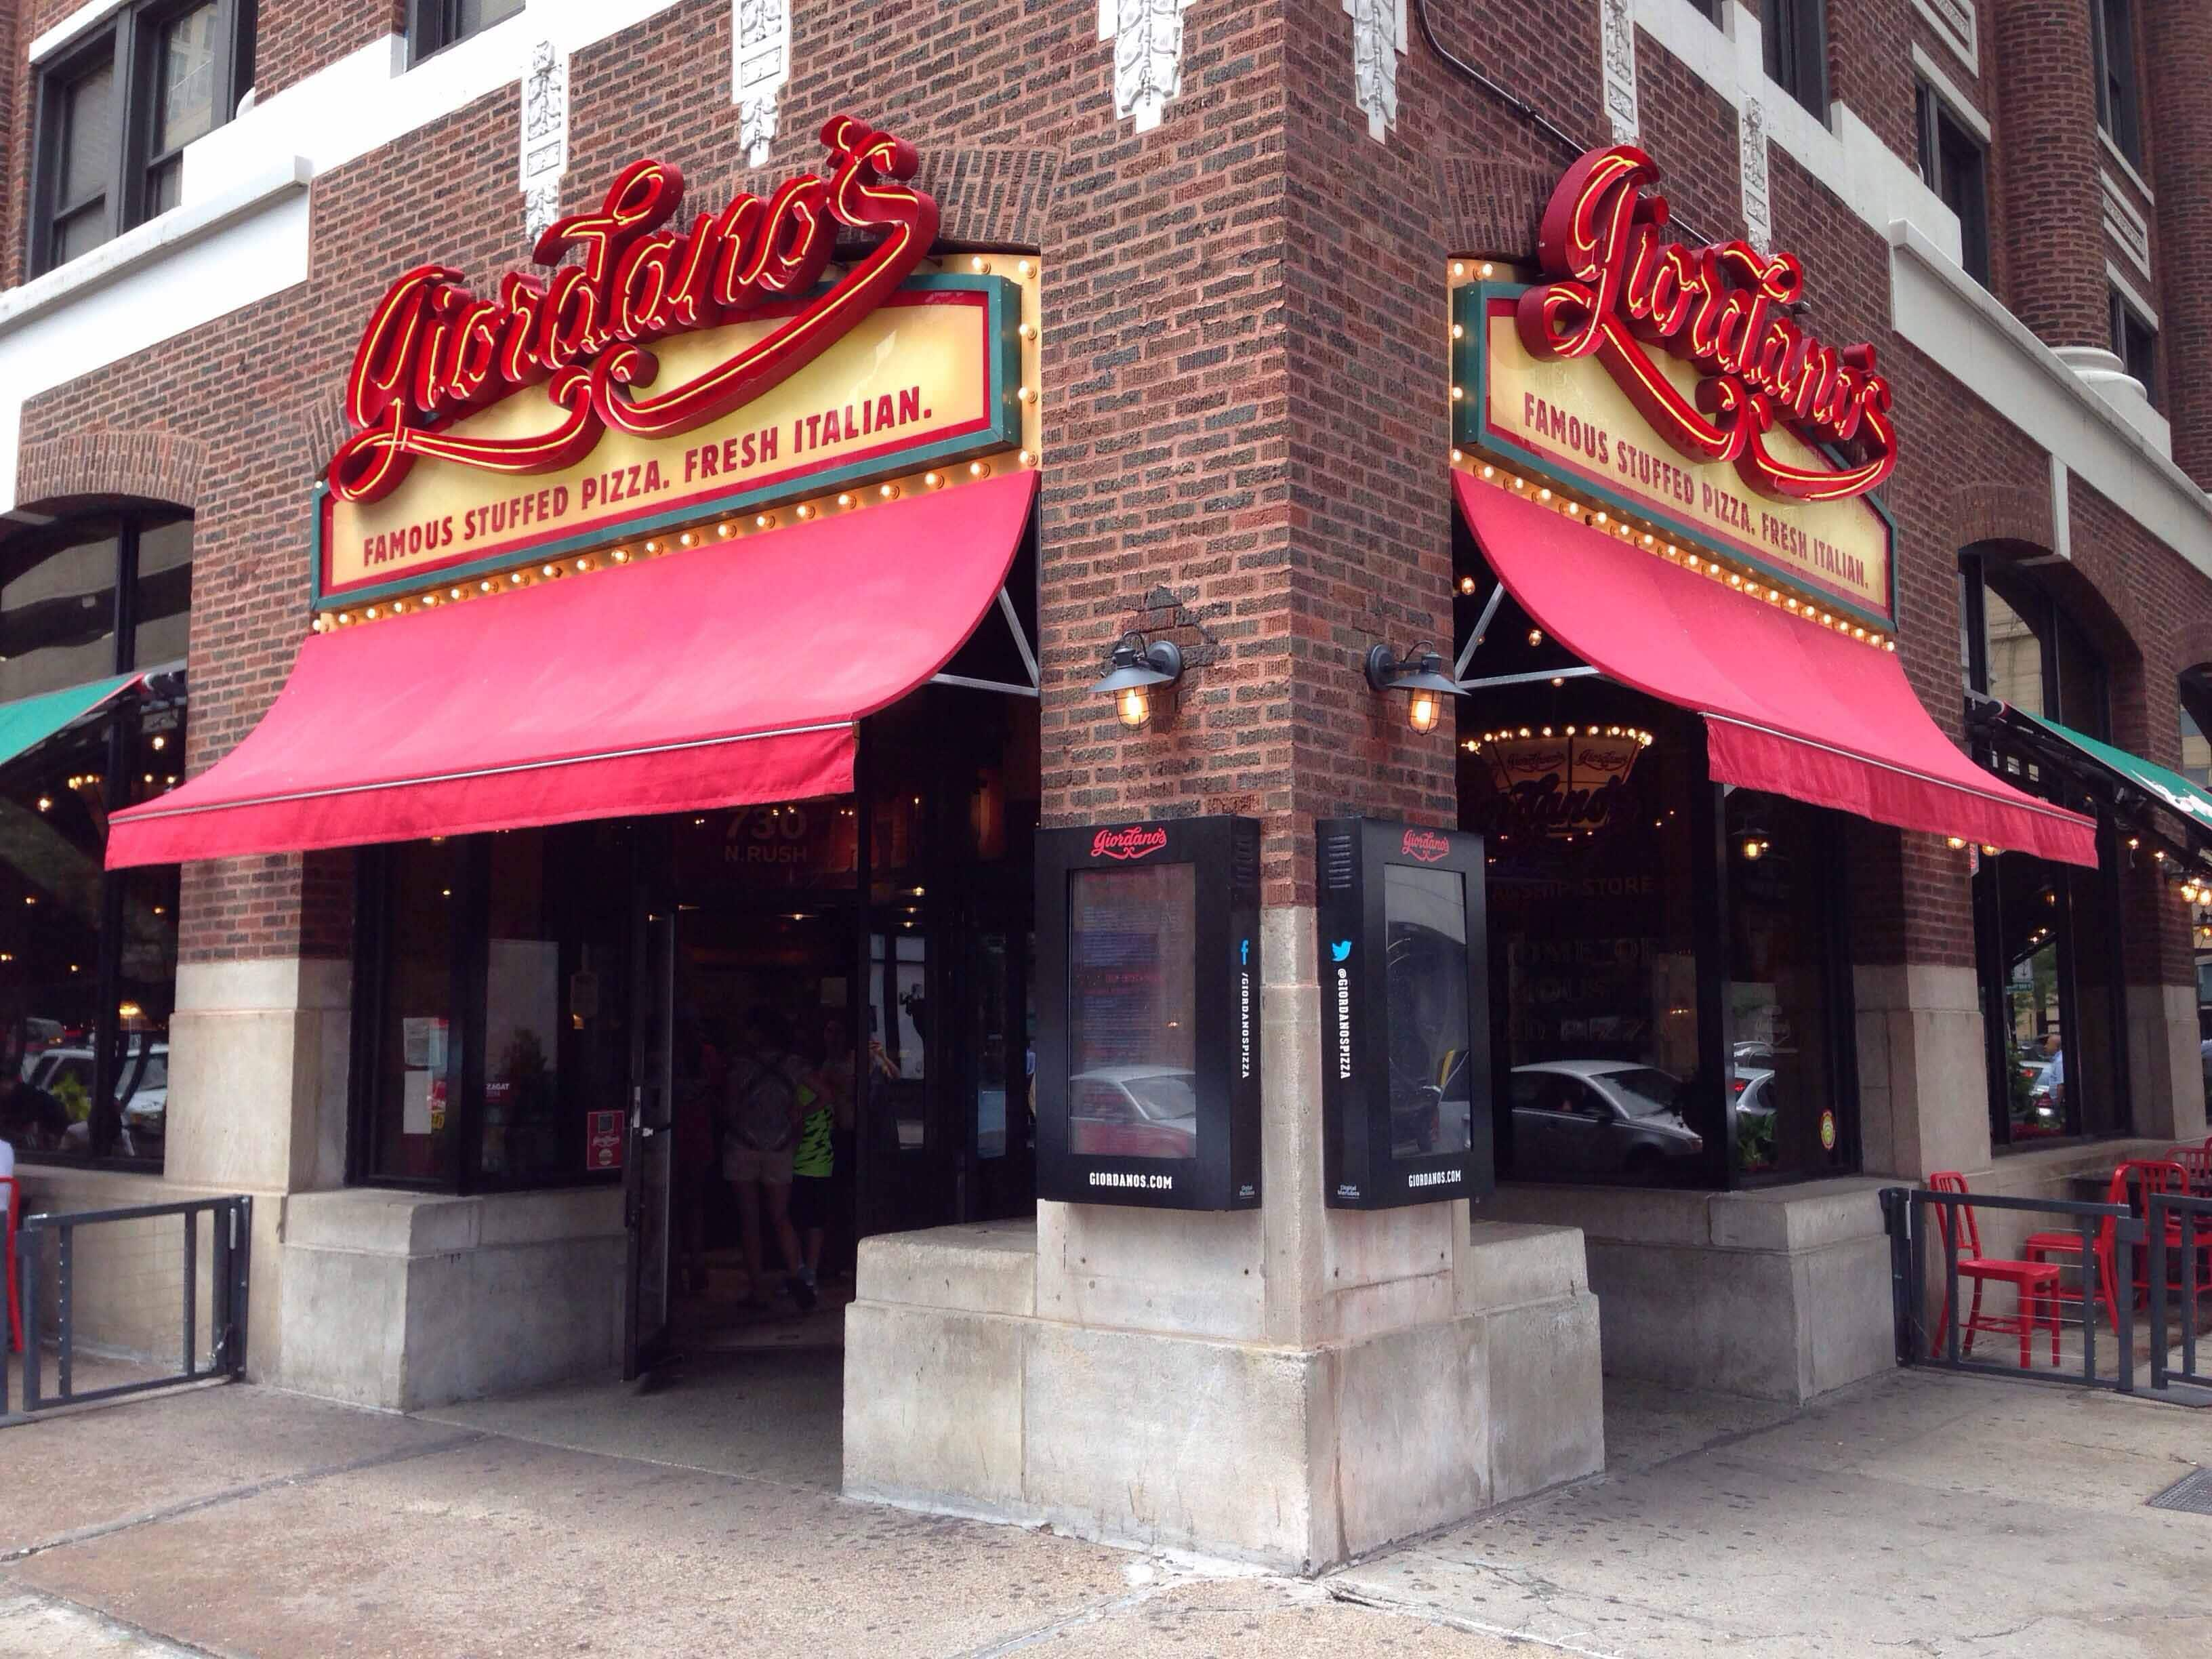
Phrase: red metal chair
(2042, 1247)
(2186, 1170)
(2036, 1282)
(9, 1195)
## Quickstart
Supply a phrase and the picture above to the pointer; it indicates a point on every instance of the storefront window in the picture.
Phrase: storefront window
(1593, 936)
(1783, 875)
(2046, 934)
(88, 959)
(412, 1010)
(497, 1016)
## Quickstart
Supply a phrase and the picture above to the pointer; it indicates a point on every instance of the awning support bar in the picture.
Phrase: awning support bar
(1583, 671)
(1021, 639)
(1481, 628)
(966, 684)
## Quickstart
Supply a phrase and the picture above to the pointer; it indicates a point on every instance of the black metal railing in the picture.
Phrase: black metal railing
(2189, 1219)
(1906, 1211)
(113, 1320)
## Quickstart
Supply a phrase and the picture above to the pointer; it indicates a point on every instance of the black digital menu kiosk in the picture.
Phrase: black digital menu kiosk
(1148, 1013)
(1404, 1015)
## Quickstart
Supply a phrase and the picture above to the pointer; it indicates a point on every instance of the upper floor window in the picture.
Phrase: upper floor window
(1796, 42)
(2111, 27)
(1954, 164)
(433, 25)
(116, 111)
(2134, 343)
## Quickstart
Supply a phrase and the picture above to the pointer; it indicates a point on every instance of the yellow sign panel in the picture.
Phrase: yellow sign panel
(1571, 417)
(929, 377)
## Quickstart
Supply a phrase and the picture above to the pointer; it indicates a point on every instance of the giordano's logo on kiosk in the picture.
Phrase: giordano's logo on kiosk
(662, 374)
(1674, 385)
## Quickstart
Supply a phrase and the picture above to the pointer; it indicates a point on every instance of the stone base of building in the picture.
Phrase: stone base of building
(960, 1398)
(407, 1300)
(1781, 1293)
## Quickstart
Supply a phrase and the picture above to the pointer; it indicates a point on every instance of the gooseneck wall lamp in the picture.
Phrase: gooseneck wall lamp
(1420, 675)
(1139, 669)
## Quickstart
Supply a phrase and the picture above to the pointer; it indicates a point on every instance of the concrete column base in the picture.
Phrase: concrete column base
(959, 1399)
(1781, 1293)
(405, 1300)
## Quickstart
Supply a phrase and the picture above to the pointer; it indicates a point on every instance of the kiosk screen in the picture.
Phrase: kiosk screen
(1425, 914)
(1132, 964)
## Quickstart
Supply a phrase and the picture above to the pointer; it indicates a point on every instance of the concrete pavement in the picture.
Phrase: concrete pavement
(1941, 1516)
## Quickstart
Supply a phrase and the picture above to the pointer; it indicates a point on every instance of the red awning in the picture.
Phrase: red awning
(1789, 707)
(726, 674)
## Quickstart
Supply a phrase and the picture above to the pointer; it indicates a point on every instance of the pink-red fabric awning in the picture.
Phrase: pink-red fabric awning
(729, 673)
(1789, 707)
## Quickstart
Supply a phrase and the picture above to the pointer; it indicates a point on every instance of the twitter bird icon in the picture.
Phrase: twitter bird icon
(1341, 951)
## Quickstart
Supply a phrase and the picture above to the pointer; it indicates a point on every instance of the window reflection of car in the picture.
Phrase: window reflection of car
(2040, 1108)
(1598, 1117)
(1133, 1111)
(66, 1074)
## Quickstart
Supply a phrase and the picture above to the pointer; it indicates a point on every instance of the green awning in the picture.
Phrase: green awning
(2184, 800)
(29, 722)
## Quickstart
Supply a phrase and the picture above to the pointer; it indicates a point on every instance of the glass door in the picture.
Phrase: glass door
(648, 1161)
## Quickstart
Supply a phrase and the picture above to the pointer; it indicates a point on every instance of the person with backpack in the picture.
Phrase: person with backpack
(767, 1097)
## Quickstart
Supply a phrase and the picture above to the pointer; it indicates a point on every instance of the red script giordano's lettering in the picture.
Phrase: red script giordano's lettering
(1622, 287)
(1134, 843)
(1426, 845)
(433, 352)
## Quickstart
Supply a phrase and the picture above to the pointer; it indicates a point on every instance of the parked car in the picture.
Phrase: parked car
(66, 1074)
(1133, 1111)
(1598, 1117)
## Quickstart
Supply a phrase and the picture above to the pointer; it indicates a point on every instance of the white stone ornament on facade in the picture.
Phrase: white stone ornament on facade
(1757, 212)
(1378, 41)
(1616, 22)
(760, 65)
(1147, 37)
(544, 147)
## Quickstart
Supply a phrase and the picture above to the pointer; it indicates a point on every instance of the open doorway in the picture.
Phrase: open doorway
(846, 1046)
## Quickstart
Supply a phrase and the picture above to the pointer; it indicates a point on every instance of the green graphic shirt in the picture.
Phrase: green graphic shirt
(815, 1155)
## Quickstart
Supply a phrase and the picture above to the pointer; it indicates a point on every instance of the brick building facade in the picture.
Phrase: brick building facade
(1243, 215)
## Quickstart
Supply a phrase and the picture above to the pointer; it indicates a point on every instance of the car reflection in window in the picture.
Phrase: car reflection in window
(1599, 1118)
(1134, 1111)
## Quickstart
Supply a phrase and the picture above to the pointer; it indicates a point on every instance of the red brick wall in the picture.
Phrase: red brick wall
(2178, 42)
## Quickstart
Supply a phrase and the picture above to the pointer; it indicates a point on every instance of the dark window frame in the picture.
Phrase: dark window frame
(128, 45)
(2135, 342)
(1944, 138)
(2046, 619)
(122, 732)
(2119, 96)
(434, 25)
(1795, 42)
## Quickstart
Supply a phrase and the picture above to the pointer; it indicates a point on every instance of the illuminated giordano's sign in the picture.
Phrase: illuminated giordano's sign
(660, 375)
(1672, 387)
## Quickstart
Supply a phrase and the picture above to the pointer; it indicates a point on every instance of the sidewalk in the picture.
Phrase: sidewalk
(1937, 1515)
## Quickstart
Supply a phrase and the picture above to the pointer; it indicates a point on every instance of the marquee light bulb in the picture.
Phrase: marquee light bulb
(844, 500)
